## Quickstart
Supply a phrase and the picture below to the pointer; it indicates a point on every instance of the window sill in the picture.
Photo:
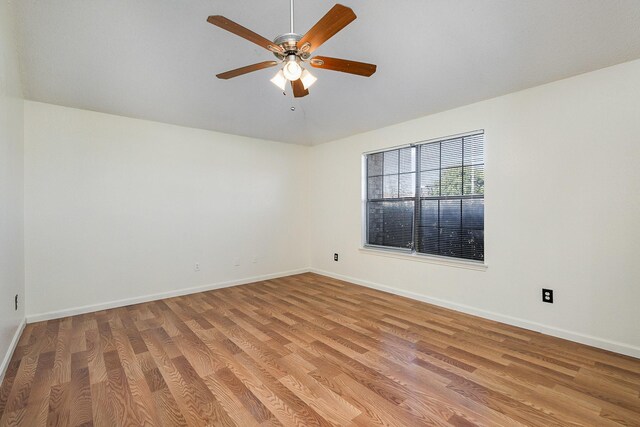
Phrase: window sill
(429, 259)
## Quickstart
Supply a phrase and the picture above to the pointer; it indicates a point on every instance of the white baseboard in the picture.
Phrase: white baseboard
(11, 349)
(39, 317)
(602, 343)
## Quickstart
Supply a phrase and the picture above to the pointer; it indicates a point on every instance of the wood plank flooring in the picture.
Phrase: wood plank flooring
(308, 350)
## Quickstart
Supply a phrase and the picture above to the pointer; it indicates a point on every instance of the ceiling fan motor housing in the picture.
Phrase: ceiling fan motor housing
(289, 42)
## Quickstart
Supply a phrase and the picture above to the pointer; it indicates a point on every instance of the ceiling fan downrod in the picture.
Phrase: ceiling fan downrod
(291, 16)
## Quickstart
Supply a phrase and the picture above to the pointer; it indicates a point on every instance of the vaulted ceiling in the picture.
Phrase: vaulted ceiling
(157, 59)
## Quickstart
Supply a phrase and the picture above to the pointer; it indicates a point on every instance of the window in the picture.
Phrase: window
(428, 198)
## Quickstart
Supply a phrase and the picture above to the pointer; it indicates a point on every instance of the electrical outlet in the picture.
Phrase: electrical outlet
(236, 262)
(196, 267)
(16, 301)
(254, 260)
(335, 257)
(547, 295)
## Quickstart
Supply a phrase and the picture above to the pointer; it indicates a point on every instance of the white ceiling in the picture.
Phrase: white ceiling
(157, 59)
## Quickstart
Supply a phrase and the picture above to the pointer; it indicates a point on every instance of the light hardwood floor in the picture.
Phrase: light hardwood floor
(308, 350)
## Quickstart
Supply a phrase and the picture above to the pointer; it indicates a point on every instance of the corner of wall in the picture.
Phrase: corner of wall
(12, 277)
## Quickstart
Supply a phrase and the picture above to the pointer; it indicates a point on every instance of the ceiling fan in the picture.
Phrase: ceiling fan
(292, 50)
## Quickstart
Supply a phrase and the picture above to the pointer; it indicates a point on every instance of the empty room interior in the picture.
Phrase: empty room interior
(303, 213)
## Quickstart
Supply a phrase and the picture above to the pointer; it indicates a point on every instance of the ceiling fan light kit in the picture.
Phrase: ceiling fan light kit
(294, 50)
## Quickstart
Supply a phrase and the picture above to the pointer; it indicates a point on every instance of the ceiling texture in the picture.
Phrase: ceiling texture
(157, 59)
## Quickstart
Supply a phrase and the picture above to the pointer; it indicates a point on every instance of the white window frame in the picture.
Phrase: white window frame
(412, 254)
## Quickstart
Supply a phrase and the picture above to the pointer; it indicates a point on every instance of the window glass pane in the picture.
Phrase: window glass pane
(390, 162)
(429, 213)
(374, 164)
(375, 223)
(430, 156)
(450, 242)
(473, 149)
(474, 180)
(407, 160)
(450, 215)
(390, 223)
(451, 184)
(473, 214)
(390, 187)
(472, 244)
(428, 238)
(374, 187)
(407, 185)
(451, 153)
(430, 183)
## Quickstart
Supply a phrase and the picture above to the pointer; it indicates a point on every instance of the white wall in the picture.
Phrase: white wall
(11, 188)
(562, 210)
(122, 209)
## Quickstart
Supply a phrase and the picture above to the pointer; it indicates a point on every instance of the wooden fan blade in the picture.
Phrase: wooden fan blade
(239, 30)
(298, 89)
(343, 65)
(248, 69)
(336, 19)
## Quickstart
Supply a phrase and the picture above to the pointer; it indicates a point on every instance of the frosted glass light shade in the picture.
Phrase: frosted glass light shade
(308, 79)
(279, 80)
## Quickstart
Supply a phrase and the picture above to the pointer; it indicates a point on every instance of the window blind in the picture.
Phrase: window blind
(428, 198)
